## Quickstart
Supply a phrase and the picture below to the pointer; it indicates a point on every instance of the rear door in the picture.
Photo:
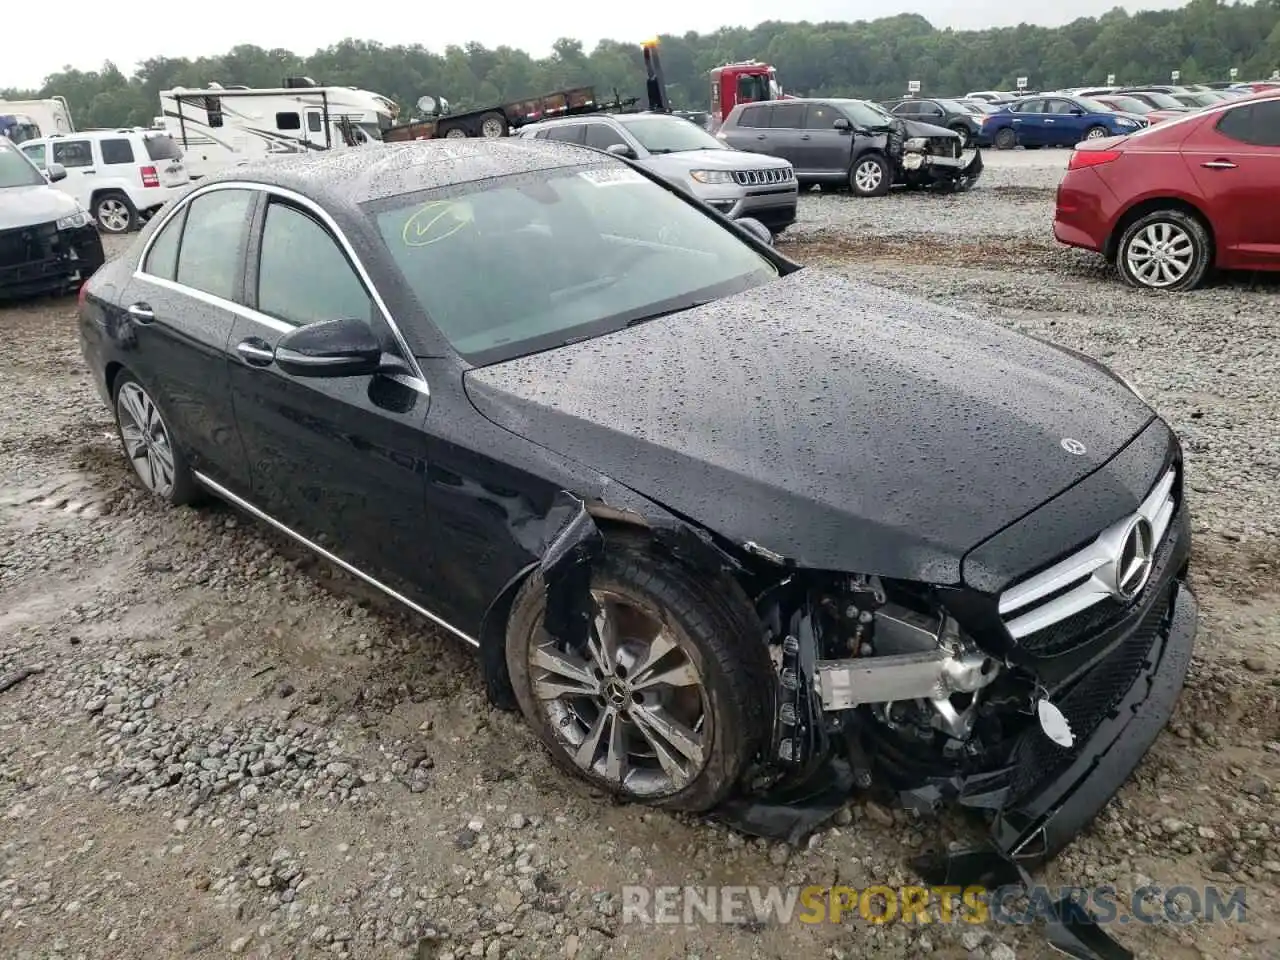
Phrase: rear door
(750, 131)
(338, 460)
(1236, 164)
(181, 306)
(786, 127)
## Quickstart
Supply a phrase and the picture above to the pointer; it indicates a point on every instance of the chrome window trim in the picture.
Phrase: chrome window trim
(222, 492)
(1157, 509)
(312, 207)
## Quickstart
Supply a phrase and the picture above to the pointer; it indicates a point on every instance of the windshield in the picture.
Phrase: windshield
(534, 261)
(16, 170)
(862, 113)
(1163, 100)
(754, 86)
(661, 134)
(1129, 105)
(1092, 106)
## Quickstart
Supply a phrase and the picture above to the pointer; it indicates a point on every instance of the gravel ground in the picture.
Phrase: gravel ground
(230, 748)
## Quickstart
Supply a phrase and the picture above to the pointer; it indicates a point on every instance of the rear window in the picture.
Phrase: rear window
(162, 148)
(117, 151)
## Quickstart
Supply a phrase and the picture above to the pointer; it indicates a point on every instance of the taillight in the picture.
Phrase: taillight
(149, 177)
(84, 292)
(1091, 158)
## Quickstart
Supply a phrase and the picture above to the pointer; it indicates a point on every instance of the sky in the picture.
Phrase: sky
(525, 25)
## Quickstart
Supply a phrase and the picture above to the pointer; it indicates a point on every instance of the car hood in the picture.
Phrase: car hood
(843, 426)
(918, 128)
(711, 160)
(39, 203)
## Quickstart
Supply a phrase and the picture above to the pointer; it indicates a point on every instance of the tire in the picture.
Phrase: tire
(493, 125)
(1006, 139)
(1187, 248)
(114, 212)
(454, 132)
(708, 635)
(149, 445)
(1096, 133)
(870, 176)
(964, 133)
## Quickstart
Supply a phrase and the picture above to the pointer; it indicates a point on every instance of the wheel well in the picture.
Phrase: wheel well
(1140, 210)
(113, 370)
(105, 191)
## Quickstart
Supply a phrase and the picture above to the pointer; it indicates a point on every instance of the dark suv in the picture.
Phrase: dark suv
(964, 120)
(849, 141)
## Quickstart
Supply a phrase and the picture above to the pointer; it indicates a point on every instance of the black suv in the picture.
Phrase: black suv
(966, 122)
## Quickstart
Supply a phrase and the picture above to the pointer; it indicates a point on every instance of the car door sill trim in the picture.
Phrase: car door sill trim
(221, 491)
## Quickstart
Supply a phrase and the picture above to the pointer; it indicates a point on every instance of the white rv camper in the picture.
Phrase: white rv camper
(218, 127)
(51, 116)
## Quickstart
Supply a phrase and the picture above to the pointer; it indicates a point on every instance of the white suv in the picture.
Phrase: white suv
(121, 177)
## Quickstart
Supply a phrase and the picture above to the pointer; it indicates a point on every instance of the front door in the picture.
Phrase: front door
(822, 149)
(1028, 123)
(82, 170)
(339, 460)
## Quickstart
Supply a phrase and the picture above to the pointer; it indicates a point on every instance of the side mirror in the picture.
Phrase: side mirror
(756, 229)
(56, 172)
(621, 150)
(841, 124)
(1077, 112)
(334, 348)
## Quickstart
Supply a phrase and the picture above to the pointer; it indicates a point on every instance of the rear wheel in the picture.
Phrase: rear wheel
(870, 176)
(114, 212)
(149, 444)
(1165, 250)
(666, 705)
(493, 125)
(455, 132)
(1006, 139)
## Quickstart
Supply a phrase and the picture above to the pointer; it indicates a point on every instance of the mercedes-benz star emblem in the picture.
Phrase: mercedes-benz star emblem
(1072, 446)
(1133, 564)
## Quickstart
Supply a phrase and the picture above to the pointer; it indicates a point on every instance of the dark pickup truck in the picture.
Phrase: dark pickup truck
(497, 121)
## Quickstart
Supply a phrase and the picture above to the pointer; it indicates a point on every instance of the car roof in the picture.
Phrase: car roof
(361, 174)
(99, 135)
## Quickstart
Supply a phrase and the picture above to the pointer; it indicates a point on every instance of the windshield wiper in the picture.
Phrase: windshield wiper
(666, 313)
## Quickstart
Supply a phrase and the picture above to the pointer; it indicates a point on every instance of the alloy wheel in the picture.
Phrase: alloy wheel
(113, 215)
(868, 176)
(146, 439)
(455, 133)
(632, 708)
(1096, 133)
(491, 127)
(1160, 254)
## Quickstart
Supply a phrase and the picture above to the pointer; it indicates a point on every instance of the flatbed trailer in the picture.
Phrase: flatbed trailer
(500, 120)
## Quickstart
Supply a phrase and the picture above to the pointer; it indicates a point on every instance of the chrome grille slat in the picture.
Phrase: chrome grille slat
(1082, 568)
(756, 178)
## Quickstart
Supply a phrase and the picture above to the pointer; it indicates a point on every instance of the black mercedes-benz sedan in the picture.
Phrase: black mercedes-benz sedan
(718, 525)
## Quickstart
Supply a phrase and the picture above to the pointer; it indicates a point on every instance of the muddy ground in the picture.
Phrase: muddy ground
(230, 748)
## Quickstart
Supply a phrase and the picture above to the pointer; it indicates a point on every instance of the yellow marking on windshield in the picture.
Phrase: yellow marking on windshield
(420, 226)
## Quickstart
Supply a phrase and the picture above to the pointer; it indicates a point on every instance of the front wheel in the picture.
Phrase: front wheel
(1165, 250)
(870, 176)
(963, 133)
(665, 704)
(149, 445)
(1097, 133)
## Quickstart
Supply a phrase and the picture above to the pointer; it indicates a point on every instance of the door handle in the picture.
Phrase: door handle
(804, 136)
(1016, 120)
(86, 172)
(1048, 119)
(141, 312)
(761, 136)
(256, 352)
(1218, 165)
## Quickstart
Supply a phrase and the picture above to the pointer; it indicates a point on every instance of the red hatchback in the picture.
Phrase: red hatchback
(1175, 199)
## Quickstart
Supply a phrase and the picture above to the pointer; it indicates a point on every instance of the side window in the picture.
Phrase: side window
(906, 108)
(1255, 123)
(213, 110)
(288, 121)
(162, 258)
(36, 154)
(753, 117)
(72, 153)
(314, 123)
(602, 136)
(117, 151)
(930, 110)
(820, 116)
(210, 258)
(569, 133)
(303, 275)
(788, 115)
(1058, 106)
(1030, 106)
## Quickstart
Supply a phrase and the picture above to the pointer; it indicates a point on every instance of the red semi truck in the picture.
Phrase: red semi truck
(748, 81)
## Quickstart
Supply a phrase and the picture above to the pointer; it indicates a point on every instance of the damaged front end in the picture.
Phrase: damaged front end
(938, 162)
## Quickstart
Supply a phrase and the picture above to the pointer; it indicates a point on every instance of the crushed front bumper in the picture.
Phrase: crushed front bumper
(42, 259)
(954, 173)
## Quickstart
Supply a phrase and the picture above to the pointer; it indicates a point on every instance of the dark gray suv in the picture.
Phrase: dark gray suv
(850, 141)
